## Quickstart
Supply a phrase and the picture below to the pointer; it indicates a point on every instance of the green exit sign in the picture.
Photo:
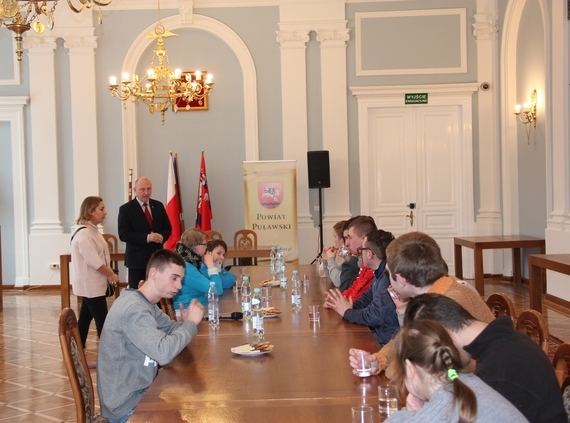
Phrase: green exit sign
(420, 98)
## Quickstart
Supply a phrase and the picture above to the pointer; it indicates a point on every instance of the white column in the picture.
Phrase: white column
(44, 135)
(486, 35)
(83, 116)
(293, 43)
(488, 217)
(334, 120)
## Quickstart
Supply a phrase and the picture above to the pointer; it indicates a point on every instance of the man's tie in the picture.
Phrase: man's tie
(147, 214)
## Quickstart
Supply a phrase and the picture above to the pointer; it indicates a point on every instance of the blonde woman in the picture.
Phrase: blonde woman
(90, 269)
(429, 367)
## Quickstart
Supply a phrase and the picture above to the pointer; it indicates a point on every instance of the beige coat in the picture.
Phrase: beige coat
(89, 251)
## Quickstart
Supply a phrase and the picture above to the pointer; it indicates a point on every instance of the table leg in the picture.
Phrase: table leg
(64, 277)
(535, 287)
(517, 265)
(479, 275)
(458, 262)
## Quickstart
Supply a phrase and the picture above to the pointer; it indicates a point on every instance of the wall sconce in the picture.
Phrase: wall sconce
(528, 114)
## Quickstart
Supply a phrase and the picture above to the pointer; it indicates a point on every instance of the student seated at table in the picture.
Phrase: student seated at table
(355, 277)
(416, 266)
(331, 263)
(192, 248)
(430, 368)
(508, 361)
(138, 336)
(218, 248)
(374, 308)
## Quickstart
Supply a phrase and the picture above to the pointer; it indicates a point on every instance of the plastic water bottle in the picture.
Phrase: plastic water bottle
(296, 291)
(272, 259)
(257, 313)
(283, 277)
(279, 259)
(213, 307)
(246, 298)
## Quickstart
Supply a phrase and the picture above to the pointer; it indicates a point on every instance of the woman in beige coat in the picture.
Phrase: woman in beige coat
(90, 270)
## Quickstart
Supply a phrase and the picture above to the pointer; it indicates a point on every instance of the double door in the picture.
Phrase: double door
(415, 180)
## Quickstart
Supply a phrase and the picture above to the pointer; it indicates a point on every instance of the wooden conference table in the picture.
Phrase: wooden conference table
(65, 259)
(537, 265)
(480, 243)
(305, 378)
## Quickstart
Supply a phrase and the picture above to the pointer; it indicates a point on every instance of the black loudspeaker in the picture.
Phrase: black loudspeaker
(319, 169)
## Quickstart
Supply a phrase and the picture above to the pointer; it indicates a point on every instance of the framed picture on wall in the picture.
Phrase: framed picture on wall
(200, 103)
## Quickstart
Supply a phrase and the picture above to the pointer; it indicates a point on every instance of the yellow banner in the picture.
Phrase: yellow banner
(271, 203)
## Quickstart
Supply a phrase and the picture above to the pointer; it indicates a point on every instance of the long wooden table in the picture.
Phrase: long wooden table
(65, 259)
(537, 266)
(480, 243)
(306, 378)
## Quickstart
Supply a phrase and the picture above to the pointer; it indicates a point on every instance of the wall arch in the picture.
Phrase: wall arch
(245, 60)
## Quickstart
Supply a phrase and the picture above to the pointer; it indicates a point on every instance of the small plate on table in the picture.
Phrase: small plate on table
(270, 283)
(271, 312)
(253, 350)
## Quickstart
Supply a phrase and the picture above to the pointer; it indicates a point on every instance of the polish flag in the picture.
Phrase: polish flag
(172, 207)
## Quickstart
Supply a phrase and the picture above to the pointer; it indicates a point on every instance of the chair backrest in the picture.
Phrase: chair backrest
(561, 363)
(167, 308)
(245, 239)
(501, 304)
(213, 235)
(76, 366)
(534, 325)
(113, 244)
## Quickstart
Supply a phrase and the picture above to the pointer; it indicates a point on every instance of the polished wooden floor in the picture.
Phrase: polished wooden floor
(33, 382)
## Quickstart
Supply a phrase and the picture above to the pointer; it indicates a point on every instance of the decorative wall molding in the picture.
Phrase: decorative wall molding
(12, 111)
(462, 35)
(75, 44)
(335, 37)
(293, 38)
(15, 80)
(486, 25)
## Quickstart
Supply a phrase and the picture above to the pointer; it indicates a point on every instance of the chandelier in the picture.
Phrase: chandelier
(162, 88)
(21, 16)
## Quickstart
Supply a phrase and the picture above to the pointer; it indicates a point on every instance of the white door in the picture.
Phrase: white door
(414, 158)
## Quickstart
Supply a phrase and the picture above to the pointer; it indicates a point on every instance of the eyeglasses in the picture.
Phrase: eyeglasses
(361, 249)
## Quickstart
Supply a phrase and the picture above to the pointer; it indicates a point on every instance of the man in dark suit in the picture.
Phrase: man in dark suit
(143, 226)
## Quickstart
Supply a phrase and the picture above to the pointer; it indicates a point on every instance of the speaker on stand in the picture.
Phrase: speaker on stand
(319, 178)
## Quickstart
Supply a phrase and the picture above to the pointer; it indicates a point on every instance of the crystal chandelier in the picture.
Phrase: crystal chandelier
(21, 16)
(164, 88)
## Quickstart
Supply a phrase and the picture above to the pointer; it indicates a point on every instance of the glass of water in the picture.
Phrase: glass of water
(387, 399)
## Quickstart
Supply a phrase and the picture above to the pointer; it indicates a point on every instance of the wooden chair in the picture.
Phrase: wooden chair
(76, 366)
(534, 325)
(113, 244)
(501, 304)
(167, 308)
(213, 235)
(561, 363)
(245, 239)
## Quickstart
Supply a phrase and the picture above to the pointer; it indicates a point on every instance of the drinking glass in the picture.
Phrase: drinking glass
(305, 280)
(362, 414)
(266, 294)
(387, 399)
(314, 313)
(343, 252)
(364, 366)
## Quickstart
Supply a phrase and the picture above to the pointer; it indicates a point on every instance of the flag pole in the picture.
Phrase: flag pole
(130, 188)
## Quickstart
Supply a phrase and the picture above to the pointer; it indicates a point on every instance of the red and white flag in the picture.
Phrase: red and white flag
(204, 209)
(173, 206)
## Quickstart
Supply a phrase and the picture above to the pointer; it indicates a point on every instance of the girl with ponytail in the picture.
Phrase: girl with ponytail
(430, 369)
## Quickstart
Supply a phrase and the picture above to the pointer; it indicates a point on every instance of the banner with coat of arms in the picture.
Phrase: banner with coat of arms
(271, 203)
